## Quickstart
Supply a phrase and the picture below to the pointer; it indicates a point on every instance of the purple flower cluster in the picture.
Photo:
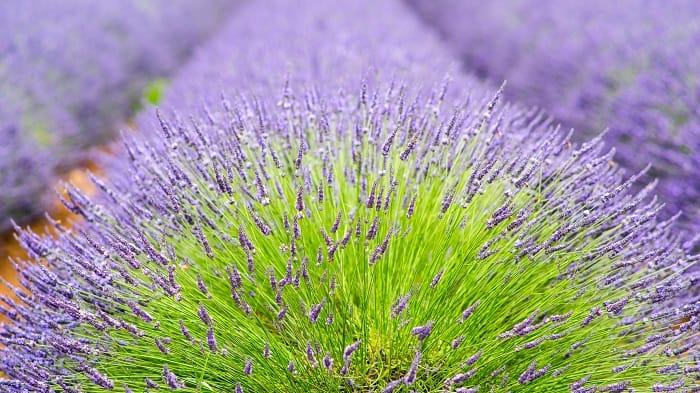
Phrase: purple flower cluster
(72, 71)
(630, 66)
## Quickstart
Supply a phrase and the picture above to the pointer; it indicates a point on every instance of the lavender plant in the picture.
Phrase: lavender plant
(628, 65)
(311, 233)
(71, 71)
(366, 241)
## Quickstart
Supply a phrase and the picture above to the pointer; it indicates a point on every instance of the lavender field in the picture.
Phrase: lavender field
(363, 196)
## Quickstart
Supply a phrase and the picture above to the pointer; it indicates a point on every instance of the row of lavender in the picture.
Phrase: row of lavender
(71, 72)
(315, 209)
(628, 65)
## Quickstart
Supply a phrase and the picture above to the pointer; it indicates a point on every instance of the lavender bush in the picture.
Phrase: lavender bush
(628, 65)
(368, 235)
(71, 71)
(367, 245)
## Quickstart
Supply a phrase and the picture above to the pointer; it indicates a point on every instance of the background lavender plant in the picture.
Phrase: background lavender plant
(71, 71)
(366, 236)
(628, 65)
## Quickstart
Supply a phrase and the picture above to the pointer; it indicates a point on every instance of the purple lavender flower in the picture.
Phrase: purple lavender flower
(248, 367)
(422, 332)
(171, 379)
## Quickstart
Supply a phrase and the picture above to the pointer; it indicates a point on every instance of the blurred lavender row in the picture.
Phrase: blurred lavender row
(629, 65)
(71, 71)
(339, 46)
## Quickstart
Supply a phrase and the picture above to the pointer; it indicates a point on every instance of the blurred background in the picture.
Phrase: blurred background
(73, 73)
